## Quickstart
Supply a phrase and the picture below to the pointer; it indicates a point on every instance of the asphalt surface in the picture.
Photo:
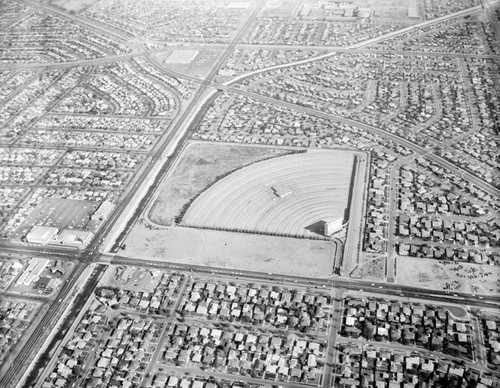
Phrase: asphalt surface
(194, 109)
(354, 240)
(391, 214)
(490, 13)
(90, 254)
(368, 42)
(31, 347)
(382, 133)
(369, 287)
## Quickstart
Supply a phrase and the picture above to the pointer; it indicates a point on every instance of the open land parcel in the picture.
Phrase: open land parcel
(199, 166)
(287, 195)
(428, 125)
(156, 236)
(448, 276)
(300, 257)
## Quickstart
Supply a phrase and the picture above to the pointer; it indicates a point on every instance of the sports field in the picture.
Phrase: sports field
(287, 195)
(198, 166)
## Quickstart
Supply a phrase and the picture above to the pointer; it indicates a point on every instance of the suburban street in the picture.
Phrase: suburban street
(384, 134)
(354, 285)
(94, 116)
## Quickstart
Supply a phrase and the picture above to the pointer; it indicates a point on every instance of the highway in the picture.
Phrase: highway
(91, 24)
(335, 325)
(357, 203)
(157, 158)
(182, 125)
(56, 253)
(368, 287)
(234, 41)
(348, 284)
(63, 65)
(340, 287)
(368, 42)
(31, 347)
(194, 109)
(490, 13)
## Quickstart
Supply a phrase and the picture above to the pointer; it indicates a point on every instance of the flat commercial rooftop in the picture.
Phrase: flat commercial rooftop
(73, 238)
(40, 234)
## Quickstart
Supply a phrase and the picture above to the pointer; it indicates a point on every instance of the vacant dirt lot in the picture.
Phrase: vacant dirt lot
(232, 250)
(198, 166)
(373, 269)
(448, 276)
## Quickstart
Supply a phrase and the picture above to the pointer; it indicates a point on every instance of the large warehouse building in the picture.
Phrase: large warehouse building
(40, 234)
(50, 235)
(73, 238)
(32, 271)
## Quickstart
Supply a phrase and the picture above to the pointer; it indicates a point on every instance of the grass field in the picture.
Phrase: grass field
(315, 186)
(457, 311)
(232, 250)
(198, 166)
(454, 277)
(60, 213)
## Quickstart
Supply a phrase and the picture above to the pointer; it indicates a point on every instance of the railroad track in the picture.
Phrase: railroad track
(31, 347)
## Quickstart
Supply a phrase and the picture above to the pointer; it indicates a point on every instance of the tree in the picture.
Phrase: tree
(367, 330)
